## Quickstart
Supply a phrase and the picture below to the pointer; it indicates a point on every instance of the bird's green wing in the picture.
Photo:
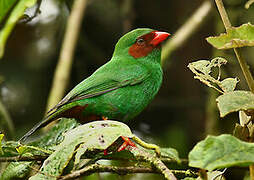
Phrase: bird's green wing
(95, 85)
(101, 83)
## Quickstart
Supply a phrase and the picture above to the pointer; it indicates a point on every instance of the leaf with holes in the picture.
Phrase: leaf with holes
(235, 37)
(97, 135)
(235, 101)
(221, 152)
(204, 71)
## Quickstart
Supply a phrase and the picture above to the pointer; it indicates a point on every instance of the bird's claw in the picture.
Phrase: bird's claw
(127, 142)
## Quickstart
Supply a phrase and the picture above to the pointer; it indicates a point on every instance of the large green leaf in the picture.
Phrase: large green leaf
(15, 15)
(221, 152)
(235, 37)
(20, 169)
(55, 135)
(97, 135)
(235, 101)
(16, 170)
(5, 6)
(39, 147)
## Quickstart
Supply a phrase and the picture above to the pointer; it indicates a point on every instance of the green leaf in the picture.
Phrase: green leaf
(16, 170)
(5, 6)
(9, 149)
(221, 152)
(15, 15)
(41, 146)
(235, 37)
(55, 135)
(229, 84)
(170, 153)
(97, 135)
(235, 101)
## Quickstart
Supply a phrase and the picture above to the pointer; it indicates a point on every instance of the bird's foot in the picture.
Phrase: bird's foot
(104, 118)
(127, 142)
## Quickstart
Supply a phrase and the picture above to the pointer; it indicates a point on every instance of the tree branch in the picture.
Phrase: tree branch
(187, 29)
(153, 160)
(63, 68)
(23, 158)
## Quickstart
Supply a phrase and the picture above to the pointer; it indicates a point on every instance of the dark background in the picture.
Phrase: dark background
(184, 110)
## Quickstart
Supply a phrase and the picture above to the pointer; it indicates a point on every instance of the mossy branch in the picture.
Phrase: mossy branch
(121, 171)
(156, 165)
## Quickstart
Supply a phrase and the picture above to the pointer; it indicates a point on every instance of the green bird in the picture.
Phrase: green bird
(121, 88)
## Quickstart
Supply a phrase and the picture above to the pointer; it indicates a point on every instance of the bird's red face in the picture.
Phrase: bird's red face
(146, 43)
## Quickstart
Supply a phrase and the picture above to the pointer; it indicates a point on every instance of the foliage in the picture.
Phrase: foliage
(235, 37)
(69, 149)
(217, 152)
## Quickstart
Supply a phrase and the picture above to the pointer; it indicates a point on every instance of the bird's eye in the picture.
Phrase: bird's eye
(140, 41)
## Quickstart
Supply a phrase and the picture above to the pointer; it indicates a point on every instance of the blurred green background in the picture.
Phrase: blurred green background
(183, 112)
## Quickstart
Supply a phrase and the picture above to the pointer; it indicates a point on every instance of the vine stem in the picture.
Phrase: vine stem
(242, 62)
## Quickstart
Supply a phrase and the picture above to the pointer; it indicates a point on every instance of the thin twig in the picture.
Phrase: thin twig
(23, 158)
(63, 68)
(103, 168)
(41, 158)
(120, 170)
(242, 62)
(186, 30)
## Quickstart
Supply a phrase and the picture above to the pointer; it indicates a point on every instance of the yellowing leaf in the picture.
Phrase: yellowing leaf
(235, 37)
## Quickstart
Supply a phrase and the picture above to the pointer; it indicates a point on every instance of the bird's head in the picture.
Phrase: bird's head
(141, 43)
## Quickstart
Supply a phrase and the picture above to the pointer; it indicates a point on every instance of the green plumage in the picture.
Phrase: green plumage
(118, 90)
